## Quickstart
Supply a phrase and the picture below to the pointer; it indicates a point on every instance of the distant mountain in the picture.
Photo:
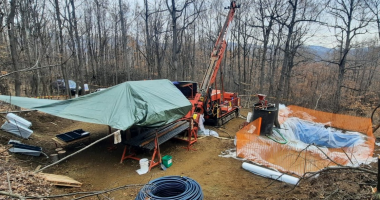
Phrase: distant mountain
(319, 51)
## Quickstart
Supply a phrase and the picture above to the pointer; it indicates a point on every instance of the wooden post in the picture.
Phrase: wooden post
(54, 158)
(61, 154)
(378, 174)
(109, 132)
(127, 134)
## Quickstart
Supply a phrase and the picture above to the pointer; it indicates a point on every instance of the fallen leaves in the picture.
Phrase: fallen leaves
(21, 182)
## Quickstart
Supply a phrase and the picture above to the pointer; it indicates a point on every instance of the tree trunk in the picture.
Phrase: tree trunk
(12, 46)
(285, 64)
(79, 52)
(124, 40)
(175, 41)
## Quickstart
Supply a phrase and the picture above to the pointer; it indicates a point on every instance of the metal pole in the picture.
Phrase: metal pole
(378, 174)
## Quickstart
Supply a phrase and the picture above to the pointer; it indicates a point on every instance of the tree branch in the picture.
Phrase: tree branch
(33, 68)
(12, 195)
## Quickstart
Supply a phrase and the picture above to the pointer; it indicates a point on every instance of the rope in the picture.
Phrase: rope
(171, 187)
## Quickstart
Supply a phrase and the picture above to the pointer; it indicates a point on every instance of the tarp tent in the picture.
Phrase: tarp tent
(144, 103)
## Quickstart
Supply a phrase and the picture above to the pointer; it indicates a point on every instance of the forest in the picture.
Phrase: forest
(318, 54)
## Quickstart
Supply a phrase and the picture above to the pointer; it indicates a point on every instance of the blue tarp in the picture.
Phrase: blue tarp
(318, 134)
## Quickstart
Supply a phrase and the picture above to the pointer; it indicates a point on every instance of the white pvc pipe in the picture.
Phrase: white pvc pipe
(261, 171)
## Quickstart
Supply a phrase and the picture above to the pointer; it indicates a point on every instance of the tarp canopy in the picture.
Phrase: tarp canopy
(143, 103)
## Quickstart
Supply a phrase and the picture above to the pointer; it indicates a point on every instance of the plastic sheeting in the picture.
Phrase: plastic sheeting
(299, 157)
(203, 131)
(317, 134)
(143, 103)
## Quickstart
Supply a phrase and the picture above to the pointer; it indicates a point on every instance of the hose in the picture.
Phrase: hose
(45, 154)
(284, 142)
(377, 126)
(171, 187)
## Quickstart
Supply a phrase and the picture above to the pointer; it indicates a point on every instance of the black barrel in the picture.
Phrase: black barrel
(267, 118)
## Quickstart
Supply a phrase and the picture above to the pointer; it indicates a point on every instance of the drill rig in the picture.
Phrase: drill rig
(217, 105)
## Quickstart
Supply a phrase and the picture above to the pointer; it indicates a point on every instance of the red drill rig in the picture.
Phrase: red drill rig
(217, 105)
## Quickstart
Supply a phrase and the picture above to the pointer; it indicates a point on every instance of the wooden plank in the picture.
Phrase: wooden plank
(56, 140)
(60, 180)
(63, 143)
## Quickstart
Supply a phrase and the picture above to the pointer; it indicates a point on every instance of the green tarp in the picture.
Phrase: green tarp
(143, 103)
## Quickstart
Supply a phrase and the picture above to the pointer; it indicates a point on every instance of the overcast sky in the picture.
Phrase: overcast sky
(319, 35)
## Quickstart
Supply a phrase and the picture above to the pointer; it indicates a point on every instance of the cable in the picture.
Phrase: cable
(171, 187)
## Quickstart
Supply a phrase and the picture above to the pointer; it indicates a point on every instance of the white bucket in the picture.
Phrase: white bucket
(144, 166)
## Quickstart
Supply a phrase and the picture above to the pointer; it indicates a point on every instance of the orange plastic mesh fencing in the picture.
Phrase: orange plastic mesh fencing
(292, 159)
(345, 122)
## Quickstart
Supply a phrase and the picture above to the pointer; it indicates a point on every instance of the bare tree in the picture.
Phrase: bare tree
(61, 44)
(374, 7)
(12, 45)
(124, 37)
(102, 40)
(148, 39)
(275, 54)
(159, 41)
(351, 19)
(177, 30)
(265, 18)
(295, 12)
(296, 43)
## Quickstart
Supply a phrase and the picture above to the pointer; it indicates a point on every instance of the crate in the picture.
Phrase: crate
(167, 161)
(73, 135)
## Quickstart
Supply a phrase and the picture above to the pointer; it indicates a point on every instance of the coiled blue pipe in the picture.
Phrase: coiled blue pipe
(171, 187)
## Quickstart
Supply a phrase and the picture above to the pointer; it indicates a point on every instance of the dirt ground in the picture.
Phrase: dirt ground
(99, 168)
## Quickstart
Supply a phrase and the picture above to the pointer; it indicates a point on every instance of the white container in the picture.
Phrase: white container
(261, 171)
(18, 120)
(144, 166)
(249, 116)
(16, 129)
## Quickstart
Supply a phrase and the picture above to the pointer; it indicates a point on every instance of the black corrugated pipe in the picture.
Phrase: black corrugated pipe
(171, 187)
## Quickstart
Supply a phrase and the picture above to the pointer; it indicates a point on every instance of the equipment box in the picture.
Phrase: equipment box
(167, 161)
(73, 135)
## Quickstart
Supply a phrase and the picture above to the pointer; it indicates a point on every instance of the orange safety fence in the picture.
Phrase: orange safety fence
(295, 160)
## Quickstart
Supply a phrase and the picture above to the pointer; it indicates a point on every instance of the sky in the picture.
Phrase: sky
(319, 35)
(324, 36)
